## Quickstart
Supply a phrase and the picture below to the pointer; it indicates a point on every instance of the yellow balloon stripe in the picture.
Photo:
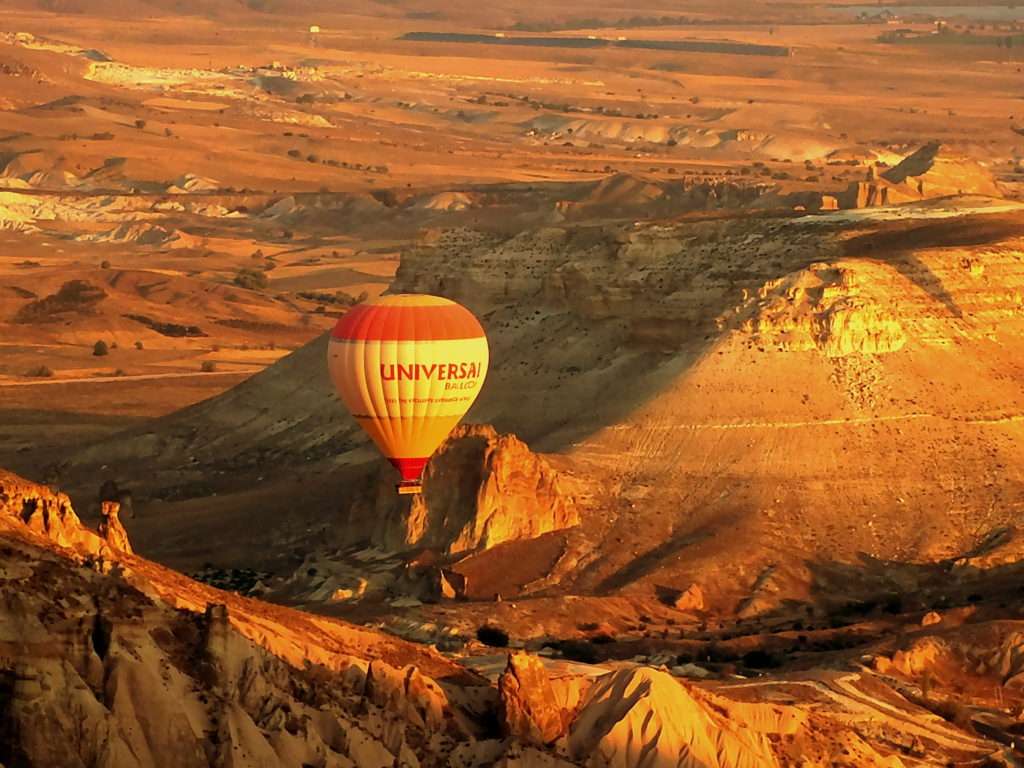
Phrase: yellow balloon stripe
(408, 394)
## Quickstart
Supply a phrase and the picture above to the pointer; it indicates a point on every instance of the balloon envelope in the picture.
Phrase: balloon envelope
(408, 367)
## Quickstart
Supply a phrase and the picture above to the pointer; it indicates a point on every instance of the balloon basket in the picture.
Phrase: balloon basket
(409, 487)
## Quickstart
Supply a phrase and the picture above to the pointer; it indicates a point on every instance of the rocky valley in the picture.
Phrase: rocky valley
(742, 486)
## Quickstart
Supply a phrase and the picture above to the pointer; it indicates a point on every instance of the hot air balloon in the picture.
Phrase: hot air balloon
(408, 367)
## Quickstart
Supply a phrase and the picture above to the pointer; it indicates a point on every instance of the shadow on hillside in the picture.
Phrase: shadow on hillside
(548, 390)
(895, 245)
(917, 272)
(845, 593)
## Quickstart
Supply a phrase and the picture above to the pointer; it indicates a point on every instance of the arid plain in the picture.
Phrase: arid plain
(744, 484)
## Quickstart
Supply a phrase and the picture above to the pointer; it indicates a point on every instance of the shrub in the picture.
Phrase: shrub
(140, 124)
(138, 345)
(104, 264)
(760, 659)
(74, 296)
(208, 366)
(579, 650)
(100, 349)
(253, 279)
(40, 372)
(492, 636)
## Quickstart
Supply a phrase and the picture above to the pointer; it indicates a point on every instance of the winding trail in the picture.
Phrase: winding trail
(966, 418)
(135, 377)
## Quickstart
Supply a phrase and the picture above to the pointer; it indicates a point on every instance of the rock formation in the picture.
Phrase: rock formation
(100, 670)
(824, 307)
(530, 711)
(931, 171)
(139, 666)
(479, 490)
(690, 599)
(822, 386)
(645, 717)
(111, 529)
(44, 512)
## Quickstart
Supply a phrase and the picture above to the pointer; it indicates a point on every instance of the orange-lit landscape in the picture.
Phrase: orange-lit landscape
(741, 472)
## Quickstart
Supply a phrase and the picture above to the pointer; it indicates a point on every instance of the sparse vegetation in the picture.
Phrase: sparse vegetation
(579, 650)
(174, 330)
(493, 636)
(77, 296)
(100, 349)
(251, 279)
(339, 298)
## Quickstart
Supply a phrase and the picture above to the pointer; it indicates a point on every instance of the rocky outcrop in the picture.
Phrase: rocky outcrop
(144, 667)
(49, 514)
(931, 171)
(643, 717)
(690, 599)
(111, 529)
(823, 307)
(530, 710)
(95, 673)
(141, 666)
(479, 490)
(986, 651)
(935, 171)
(623, 194)
(854, 325)
(411, 695)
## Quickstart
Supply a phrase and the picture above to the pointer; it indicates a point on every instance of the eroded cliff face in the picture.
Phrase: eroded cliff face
(820, 385)
(480, 489)
(115, 662)
(825, 308)
(697, 734)
(45, 512)
(931, 171)
(118, 663)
